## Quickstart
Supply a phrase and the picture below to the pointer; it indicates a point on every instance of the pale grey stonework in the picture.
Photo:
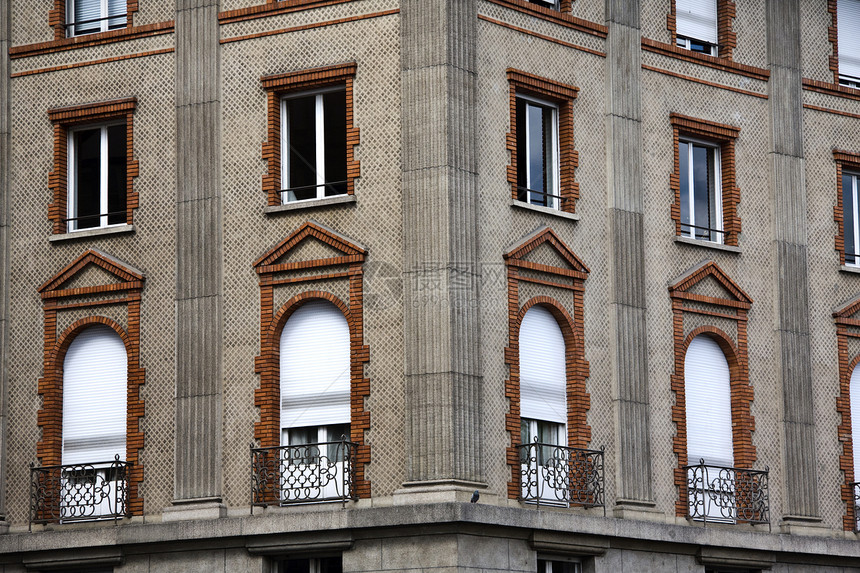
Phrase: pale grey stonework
(433, 209)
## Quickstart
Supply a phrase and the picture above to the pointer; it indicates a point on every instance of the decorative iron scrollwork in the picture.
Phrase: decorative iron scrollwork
(727, 495)
(561, 476)
(305, 473)
(79, 492)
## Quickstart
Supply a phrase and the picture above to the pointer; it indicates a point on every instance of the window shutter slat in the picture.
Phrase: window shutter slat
(86, 10)
(848, 37)
(95, 395)
(697, 19)
(854, 393)
(543, 376)
(708, 401)
(315, 377)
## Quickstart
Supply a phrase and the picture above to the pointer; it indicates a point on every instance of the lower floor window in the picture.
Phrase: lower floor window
(558, 566)
(312, 565)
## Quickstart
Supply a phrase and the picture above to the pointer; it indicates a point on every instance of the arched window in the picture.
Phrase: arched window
(854, 392)
(315, 401)
(543, 379)
(95, 408)
(95, 386)
(709, 404)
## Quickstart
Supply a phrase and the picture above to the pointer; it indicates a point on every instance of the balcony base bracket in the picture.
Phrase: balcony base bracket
(803, 525)
(635, 509)
(438, 491)
(192, 509)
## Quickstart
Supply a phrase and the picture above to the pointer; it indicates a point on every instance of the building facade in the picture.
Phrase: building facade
(285, 285)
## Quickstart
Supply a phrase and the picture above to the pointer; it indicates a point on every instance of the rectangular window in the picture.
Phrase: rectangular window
(848, 41)
(313, 135)
(91, 16)
(97, 177)
(701, 197)
(558, 565)
(551, 4)
(851, 217)
(312, 565)
(319, 441)
(537, 152)
(696, 22)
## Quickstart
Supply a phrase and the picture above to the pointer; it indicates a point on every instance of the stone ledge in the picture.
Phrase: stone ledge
(706, 244)
(544, 210)
(92, 233)
(299, 205)
(848, 269)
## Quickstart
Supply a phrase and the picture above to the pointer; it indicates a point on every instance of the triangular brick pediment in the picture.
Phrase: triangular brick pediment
(708, 281)
(544, 247)
(93, 271)
(310, 242)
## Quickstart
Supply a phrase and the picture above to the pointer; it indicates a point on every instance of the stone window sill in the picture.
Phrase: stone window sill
(301, 205)
(849, 269)
(92, 233)
(707, 244)
(544, 210)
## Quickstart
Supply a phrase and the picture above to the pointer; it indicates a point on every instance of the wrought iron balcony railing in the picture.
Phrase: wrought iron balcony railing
(727, 495)
(79, 492)
(306, 473)
(855, 489)
(561, 476)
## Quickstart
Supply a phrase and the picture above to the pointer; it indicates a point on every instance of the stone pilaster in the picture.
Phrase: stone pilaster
(5, 106)
(791, 281)
(441, 330)
(199, 376)
(626, 256)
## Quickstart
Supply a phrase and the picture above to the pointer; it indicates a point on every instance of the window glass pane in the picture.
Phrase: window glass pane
(116, 174)
(684, 162)
(331, 565)
(116, 8)
(522, 156)
(296, 566)
(87, 147)
(536, 150)
(849, 219)
(549, 155)
(337, 433)
(557, 567)
(88, 12)
(702, 184)
(334, 104)
(301, 139)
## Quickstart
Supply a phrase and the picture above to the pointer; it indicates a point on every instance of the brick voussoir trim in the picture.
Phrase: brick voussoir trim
(67, 117)
(845, 161)
(736, 353)
(724, 135)
(50, 386)
(562, 95)
(846, 327)
(573, 331)
(276, 86)
(267, 397)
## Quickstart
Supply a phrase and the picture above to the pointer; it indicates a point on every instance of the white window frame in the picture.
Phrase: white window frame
(104, 15)
(848, 42)
(551, 560)
(319, 135)
(855, 209)
(555, 4)
(718, 187)
(553, 196)
(686, 43)
(72, 184)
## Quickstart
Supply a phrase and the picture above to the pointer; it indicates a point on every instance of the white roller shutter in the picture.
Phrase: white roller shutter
(315, 367)
(87, 10)
(543, 376)
(117, 8)
(697, 19)
(709, 405)
(854, 391)
(848, 38)
(95, 397)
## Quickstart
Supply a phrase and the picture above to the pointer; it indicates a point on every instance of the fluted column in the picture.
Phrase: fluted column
(626, 255)
(441, 330)
(791, 280)
(198, 253)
